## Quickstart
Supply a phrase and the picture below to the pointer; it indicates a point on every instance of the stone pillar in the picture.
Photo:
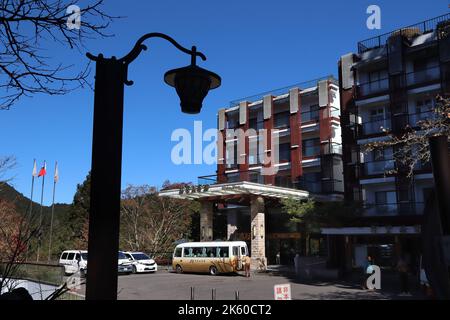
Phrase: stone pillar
(206, 221)
(258, 234)
(231, 225)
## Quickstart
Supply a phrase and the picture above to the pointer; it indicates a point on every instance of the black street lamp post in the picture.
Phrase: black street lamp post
(192, 84)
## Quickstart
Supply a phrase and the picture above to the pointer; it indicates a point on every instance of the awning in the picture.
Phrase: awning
(233, 189)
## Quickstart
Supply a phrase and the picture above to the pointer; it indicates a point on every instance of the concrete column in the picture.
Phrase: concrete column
(258, 234)
(206, 221)
(231, 225)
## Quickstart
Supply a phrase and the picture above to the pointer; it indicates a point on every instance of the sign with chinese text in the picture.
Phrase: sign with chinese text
(282, 291)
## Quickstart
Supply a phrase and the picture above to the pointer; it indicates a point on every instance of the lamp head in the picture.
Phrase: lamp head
(192, 84)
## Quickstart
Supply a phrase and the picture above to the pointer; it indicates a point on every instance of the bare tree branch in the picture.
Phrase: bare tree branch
(26, 26)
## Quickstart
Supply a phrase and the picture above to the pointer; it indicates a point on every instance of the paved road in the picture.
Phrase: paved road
(165, 285)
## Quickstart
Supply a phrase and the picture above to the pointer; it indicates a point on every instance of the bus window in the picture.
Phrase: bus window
(177, 253)
(224, 252)
(188, 252)
(235, 251)
(210, 252)
(198, 252)
(243, 251)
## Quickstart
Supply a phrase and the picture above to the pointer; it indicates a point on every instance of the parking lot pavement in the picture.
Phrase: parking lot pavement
(164, 285)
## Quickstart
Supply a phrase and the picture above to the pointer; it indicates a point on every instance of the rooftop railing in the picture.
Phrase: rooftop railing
(284, 90)
(421, 27)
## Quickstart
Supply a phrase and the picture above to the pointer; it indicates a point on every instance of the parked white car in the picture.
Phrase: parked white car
(74, 261)
(141, 262)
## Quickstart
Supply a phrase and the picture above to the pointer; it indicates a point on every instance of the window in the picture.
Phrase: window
(71, 256)
(243, 251)
(378, 155)
(312, 114)
(77, 257)
(311, 147)
(424, 105)
(285, 152)
(178, 252)
(188, 252)
(381, 197)
(64, 256)
(222, 252)
(281, 120)
(232, 120)
(376, 114)
(235, 251)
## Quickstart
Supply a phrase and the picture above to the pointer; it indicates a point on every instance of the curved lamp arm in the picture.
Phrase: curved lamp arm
(139, 46)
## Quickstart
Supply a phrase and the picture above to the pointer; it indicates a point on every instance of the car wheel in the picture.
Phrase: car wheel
(179, 269)
(133, 269)
(213, 270)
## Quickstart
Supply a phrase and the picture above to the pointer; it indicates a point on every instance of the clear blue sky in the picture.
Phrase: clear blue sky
(254, 45)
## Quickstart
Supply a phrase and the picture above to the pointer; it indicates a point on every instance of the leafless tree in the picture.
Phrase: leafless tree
(26, 27)
(412, 148)
(16, 232)
(6, 163)
(151, 223)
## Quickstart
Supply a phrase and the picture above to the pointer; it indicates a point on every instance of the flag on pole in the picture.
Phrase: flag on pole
(43, 170)
(56, 177)
(34, 174)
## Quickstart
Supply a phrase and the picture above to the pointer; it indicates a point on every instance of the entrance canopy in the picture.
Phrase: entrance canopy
(233, 189)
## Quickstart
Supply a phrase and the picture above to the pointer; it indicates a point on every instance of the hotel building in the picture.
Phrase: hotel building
(388, 85)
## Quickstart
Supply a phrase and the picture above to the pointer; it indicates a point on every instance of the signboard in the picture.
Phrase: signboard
(282, 291)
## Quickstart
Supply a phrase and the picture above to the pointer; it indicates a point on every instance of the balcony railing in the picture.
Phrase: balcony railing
(394, 209)
(281, 120)
(311, 151)
(423, 76)
(310, 116)
(331, 148)
(320, 186)
(378, 167)
(422, 27)
(373, 87)
(376, 126)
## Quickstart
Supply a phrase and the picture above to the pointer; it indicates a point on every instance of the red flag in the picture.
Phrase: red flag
(43, 170)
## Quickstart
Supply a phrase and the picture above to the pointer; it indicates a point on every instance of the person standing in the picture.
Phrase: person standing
(368, 270)
(247, 262)
(297, 265)
(402, 268)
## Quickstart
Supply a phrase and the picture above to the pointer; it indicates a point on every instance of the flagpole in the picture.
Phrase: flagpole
(30, 214)
(55, 179)
(40, 217)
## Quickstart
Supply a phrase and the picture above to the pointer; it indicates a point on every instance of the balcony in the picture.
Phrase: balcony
(376, 126)
(311, 151)
(256, 125)
(320, 186)
(415, 118)
(310, 116)
(425, 76)
(373, 87)
(378, 167)
(281, 120)
(394, 209)
(331, 148)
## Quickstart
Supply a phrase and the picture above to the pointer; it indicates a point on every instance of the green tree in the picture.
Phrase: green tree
(76, 234)
(313, 215)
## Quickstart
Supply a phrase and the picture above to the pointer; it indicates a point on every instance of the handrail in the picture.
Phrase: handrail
(423, 26)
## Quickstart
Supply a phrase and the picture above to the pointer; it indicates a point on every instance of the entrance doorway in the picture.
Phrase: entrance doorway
(282, 251)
